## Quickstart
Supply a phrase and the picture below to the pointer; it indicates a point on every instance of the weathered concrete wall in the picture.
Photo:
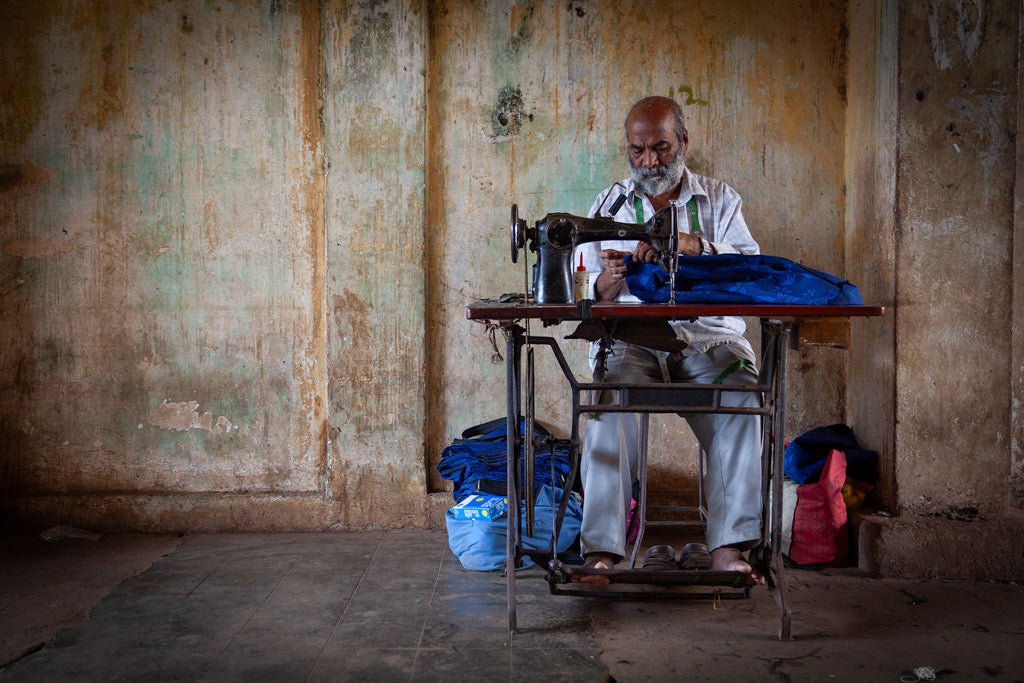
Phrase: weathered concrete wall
(1017, 376)
(236, 241)
(212, 256)
(159, 218)
(955, 260)
(374, 112)
(957, 100)
(765, 109)
(871, 225)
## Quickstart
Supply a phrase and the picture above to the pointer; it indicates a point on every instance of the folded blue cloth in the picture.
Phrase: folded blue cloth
(738, 278)
(484, 456)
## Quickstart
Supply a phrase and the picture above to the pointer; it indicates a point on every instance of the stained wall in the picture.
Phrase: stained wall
(765, 108)
(954, 259)
(237, 239)
(160, 230)
(933, 231)
(871, 229)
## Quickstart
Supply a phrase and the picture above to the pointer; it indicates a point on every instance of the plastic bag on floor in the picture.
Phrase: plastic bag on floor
(818, 533)
(480, 543)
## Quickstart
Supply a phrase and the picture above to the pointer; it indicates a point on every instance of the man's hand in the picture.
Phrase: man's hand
(644, 254)
(613, 274)
(611, 263)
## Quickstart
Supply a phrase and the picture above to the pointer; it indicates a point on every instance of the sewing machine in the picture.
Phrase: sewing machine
(556, 236)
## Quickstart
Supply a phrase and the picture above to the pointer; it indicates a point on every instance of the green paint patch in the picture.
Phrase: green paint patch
(687, 90)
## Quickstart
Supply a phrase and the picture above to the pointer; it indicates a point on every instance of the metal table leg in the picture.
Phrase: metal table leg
(513, 346)
(775, 576)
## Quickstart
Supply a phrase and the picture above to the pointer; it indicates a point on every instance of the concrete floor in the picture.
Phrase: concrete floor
(396, 606)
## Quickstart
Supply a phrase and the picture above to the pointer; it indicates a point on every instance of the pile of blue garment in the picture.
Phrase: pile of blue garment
(805, 456)
(738, 278)
(481, 454)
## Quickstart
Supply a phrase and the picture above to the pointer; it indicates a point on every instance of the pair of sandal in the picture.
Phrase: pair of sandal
(692, 556)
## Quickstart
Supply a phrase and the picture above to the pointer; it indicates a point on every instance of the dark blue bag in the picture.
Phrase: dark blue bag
(738, 278)
(805, 456)
(481, 454)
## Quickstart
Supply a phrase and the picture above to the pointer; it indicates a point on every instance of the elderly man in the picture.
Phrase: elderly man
(710, 215)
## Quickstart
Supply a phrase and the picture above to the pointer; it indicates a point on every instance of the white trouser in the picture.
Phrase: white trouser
(732, 443)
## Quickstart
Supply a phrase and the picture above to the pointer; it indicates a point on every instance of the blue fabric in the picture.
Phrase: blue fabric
(480, 543)
(468, 460)
(805, 456)
(738, 278)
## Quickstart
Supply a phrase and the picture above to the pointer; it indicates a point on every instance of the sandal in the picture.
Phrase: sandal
(660, 557)
(694, 556)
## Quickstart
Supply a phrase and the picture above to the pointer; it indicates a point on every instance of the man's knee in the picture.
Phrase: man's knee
(601, 443)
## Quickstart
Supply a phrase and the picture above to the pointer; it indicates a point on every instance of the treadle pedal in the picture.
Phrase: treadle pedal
(638, 591)
(560, 573)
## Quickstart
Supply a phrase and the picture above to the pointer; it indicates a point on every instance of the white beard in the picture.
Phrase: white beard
(658, 179)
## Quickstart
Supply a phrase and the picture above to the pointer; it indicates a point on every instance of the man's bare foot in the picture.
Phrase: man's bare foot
(596, 561)
(731, 560)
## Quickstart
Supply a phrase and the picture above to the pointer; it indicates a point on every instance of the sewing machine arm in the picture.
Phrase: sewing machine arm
(555, 237)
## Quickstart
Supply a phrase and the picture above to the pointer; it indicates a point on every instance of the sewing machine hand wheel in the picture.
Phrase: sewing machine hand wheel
(517, 233)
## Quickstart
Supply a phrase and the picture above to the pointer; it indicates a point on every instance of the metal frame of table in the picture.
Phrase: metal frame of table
(777, 323)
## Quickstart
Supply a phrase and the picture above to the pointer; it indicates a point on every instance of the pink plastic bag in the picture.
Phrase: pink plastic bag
(820, 536)
(632, 521)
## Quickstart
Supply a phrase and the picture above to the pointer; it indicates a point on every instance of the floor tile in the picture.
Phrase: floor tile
(565, 666)
(306, 614)
(462, 665)
(381, 665)
(377, 606)
(254, 580)
(371, 633)
(267, 657)
(375, 618)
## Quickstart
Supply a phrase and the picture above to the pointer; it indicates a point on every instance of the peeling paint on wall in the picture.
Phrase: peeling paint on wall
(981, 114)
(184, 416)
(507, 115)
(962, 20)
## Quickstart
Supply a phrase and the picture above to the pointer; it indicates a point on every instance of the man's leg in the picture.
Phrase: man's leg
(733, 447)
(609, 446)
(609, 465)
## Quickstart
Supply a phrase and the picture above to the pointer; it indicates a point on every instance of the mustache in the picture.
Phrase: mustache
(652, 172)
(655, 180)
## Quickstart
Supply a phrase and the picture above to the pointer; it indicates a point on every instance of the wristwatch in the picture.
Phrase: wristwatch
(705, 247)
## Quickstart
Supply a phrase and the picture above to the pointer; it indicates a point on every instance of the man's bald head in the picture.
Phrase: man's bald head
(654, 109)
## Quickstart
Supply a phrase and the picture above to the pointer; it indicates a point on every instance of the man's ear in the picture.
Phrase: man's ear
(685, 139)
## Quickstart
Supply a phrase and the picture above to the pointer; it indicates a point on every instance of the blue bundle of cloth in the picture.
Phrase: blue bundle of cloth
(739, 278)
(481, 454)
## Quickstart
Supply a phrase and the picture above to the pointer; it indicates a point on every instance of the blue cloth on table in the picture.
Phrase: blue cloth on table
(739, 278)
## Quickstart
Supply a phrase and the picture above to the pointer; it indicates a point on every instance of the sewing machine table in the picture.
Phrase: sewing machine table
(777, 324)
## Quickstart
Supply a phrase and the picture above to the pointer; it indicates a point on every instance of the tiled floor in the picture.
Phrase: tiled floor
(396, 606)
(385, 606)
